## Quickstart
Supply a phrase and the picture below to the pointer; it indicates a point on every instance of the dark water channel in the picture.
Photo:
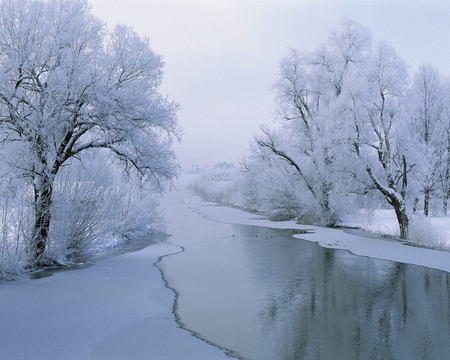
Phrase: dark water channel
(263, 294)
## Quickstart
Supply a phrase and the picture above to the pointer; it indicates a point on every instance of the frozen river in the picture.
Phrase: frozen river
(263, 294)
(246, 291)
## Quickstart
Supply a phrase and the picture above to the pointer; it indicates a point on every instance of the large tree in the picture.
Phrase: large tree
(68, 85)
(343, 117)
(308, 87)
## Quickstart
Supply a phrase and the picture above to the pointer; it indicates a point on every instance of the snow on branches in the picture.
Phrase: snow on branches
(69, 87)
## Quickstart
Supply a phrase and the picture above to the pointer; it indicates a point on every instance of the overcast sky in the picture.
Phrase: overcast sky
(222, 55)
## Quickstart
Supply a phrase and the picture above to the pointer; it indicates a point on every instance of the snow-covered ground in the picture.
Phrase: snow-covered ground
(435, 228)
(117, 309)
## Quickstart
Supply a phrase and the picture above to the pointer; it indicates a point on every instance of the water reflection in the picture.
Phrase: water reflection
(321, 303)
(263, 294)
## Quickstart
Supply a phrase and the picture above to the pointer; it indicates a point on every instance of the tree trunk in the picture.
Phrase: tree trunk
(324, 203)
(445, 204)
(402, 219)
(416, 204)
(426, 202)
(396, 201)
(43, 189)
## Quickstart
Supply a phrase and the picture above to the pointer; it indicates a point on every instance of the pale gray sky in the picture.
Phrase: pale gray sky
(222, 55)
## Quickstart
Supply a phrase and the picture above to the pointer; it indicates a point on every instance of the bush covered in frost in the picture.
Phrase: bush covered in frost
(423, 232)
(94, 208)
(222, 183)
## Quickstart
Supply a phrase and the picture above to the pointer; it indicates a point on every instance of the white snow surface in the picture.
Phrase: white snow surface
(117, 309)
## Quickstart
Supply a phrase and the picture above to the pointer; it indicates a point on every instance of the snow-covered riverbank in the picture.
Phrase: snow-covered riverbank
(118, 308)
(356, 242)
(121, 308)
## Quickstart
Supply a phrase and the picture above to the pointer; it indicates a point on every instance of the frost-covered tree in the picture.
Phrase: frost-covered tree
(343, 121)
(376, 125)
(309, 86)
(426, 128)
(68, 85)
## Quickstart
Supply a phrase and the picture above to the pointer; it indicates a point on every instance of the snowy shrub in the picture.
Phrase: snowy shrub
(136, 212)
(95, 208)
(222, 184)
(273, 189)
(423, 232)
(275, 193)
(16, 219)
(80, 211)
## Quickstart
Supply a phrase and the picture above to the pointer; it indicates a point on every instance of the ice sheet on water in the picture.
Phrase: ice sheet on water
(117, 309)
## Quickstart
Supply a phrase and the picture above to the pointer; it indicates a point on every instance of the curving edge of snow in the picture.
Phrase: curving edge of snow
(356, 242)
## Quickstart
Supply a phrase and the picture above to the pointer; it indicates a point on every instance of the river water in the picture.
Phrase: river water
(262, 294)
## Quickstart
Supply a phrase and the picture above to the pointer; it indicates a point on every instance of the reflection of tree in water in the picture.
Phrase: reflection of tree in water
(328, 304)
